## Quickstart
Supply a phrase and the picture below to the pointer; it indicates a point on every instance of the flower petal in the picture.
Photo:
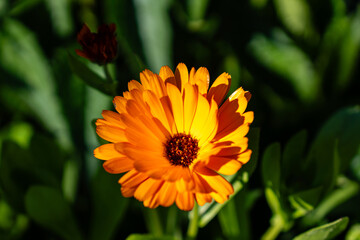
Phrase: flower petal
(106, 152)
(185, 201)
(220, 88)
(167, 75)
(177, 107)
(118, 165)
(181, 76)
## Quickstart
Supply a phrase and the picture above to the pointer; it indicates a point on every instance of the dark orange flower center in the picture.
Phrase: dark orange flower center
(181, 149)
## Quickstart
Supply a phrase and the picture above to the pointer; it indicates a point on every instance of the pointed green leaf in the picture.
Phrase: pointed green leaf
(325, 232)
(296, 16)
(349, 52)
(22, 57)
(354, 232)
(48, 208)
(278, 55)
(60, 13)
(271, 167)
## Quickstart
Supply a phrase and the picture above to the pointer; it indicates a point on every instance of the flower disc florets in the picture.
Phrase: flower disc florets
(181, 149)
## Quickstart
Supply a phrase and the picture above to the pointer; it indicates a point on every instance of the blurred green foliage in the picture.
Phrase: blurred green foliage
(298, 58)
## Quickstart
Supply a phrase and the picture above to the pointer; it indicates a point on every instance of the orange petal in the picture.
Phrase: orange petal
(157, 110)
(190, 105)
(185, 201)
(132, 179)
(112, 118)
(181, 76)
(106, 152)
(177, 106)
(200, 118)
(127, 192)
(244, 157)
(167, 75)
(120, 104)
(147, 189)
(220, 88)
(111, 134)
(133, 84)
(184, 186)
(118, 165)
(202, 80)
(202, 198)
(167, 194)
(224, 165)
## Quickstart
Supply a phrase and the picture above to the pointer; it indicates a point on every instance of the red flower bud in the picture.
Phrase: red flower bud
(100, 47)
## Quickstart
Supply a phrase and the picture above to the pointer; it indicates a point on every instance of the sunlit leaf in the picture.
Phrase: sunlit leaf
(155, 31)
(354, 232)
(61, 16)
(349, 52)
(197, 9)
(48, 208)
(296, 16)
(325, 232)
(346, 190)
(290, 62)
(305, 201)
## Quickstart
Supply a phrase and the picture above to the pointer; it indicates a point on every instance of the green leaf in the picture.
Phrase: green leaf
(109, 206)
(324, 232)
(339, 141)
(354, 232)
(48, 208)
(21, 56)
(155, 31)
(229, 221)
(277, 56)
(271, 167)
(197, 9)
(347, 189)
(149, 237)
(293, 154)
(90, 77)
(348, 53)
(60, 13)
(305, 201)
(296, 16)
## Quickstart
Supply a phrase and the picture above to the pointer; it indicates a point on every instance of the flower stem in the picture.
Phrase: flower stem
(153, 222)
(194, 224)
(107, 73)
(275, 228)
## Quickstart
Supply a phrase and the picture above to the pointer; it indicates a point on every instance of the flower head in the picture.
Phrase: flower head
(174, 138)
(100, 47)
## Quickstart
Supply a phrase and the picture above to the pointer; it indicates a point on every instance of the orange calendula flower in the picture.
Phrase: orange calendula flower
(175, 139)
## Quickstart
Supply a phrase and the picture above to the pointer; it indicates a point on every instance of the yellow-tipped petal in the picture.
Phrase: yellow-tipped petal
(181, 76)
(220, 88)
